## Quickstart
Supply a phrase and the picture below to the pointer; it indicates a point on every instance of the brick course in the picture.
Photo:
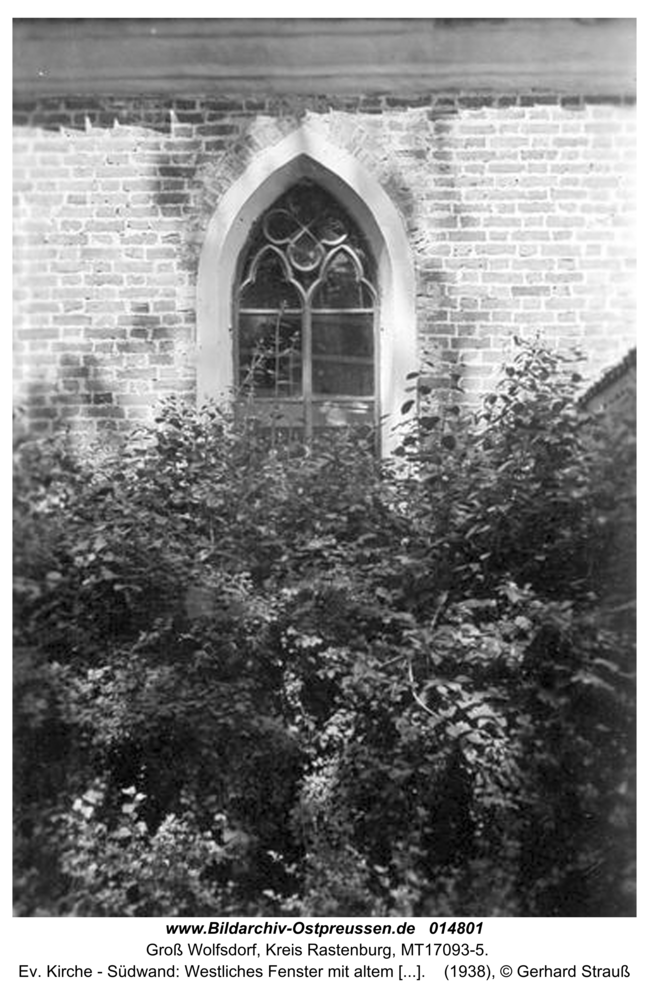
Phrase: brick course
(520, 213)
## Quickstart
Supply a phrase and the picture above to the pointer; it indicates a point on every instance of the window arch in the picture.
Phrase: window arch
(306, 315)
(306, 154)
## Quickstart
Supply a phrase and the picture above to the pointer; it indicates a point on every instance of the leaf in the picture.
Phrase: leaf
(93, 795)
(592, 680)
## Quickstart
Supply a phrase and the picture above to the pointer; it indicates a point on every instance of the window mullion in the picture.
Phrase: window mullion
(307, 372)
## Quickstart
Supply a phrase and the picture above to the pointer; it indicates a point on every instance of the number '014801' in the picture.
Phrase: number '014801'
(455, 927)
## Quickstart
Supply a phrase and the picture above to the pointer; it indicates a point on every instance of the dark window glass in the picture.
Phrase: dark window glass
(270, 354)
(343, 354)
(268, 286)
(342, 284)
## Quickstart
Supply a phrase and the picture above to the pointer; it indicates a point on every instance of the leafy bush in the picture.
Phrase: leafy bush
(251, 681)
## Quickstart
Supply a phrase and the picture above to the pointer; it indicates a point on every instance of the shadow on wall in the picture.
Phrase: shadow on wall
(152, 146)
(82, 113)
(109, 374)
(110, 379)
(76, 401)
(436, 221)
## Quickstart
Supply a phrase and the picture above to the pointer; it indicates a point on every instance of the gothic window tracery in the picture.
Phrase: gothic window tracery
(306, 313)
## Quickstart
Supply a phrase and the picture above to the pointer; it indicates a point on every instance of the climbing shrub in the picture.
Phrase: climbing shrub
(303, 681)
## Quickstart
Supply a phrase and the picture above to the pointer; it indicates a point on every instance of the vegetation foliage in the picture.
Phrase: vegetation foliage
(314, 683)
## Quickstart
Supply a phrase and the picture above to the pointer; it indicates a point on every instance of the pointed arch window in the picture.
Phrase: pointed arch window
(306, 315)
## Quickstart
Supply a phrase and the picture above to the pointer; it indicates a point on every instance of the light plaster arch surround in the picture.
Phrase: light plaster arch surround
(306, 153)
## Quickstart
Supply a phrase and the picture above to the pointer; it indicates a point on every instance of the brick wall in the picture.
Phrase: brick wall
(519, 209)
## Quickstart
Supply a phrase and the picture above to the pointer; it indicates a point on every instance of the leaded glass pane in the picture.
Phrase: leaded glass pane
(268, 286)
(270, 354)
(343, 354)
(342, 285)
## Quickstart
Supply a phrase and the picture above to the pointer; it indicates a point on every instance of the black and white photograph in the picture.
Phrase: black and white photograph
(324, 378)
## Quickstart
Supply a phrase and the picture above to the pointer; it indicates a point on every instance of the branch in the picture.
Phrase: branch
(438, 610)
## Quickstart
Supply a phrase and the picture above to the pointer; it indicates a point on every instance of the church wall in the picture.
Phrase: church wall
(518, 207)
